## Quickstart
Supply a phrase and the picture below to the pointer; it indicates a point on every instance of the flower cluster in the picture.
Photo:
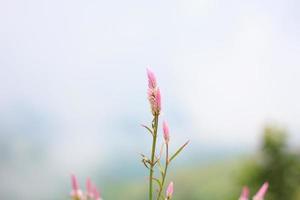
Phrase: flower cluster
(259, 195)
(91, 193)
(153, 93)
(155, 161)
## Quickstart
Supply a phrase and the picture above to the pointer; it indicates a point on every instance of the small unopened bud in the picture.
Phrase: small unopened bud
(261, 192)
(245, 194)
(170, 190)
(166, 132)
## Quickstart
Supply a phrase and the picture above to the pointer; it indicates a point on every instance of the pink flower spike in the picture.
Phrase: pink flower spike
(76, 192)
(75, 185)
(151, 79)
(166, 132)
(170, 190)
(158, 100)
(89, 188)
(245, 193)
(155, 100)
(262, 192)
(96, 193)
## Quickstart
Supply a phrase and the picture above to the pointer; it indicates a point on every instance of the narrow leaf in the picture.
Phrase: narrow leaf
(160, 168)
(178, 151)
(157, 181)
(143, 161)
(149, 129)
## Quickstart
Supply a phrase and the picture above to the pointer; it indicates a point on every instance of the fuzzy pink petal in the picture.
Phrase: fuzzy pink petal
(154, 100)
(158, 100)
(151, 79)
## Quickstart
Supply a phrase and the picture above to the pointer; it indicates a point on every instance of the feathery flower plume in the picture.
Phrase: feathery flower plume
(170, 190)
(76, 193)
(151, 79)
(89, 188)
(245, 194)
(261, 192)
(96, 193)
(153, 93)
(166, 132)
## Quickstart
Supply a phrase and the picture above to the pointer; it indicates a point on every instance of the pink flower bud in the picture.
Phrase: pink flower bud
(166, 132)
(170, 190)
(261, 192)
(245, 194)
(89, 188)
(155, 100)
(75, 185)
(151, 79)
(76, 192)
(96, 193)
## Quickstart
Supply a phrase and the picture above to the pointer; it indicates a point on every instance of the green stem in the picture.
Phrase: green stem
(165, 171)
(153, 156)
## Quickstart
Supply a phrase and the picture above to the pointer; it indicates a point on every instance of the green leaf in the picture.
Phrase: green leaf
(157, 181)
(178, 151)
(160, 168)
(160, 154)
(149, 129)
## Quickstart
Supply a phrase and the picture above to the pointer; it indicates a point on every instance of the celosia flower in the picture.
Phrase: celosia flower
(151, 79)
(261, 192)
(170, 190)
(245, 194)
(96, 193)
(166, 132)
(89, 188)
(155, 100)
(153, 93)
(76, 193)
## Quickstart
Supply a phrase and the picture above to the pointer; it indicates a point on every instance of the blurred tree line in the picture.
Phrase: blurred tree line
(276, 164)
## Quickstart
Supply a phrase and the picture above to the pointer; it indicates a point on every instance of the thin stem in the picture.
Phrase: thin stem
(165, 171)
(155, 125)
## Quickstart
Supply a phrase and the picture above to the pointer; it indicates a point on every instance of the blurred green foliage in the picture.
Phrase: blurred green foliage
(223, 179)
(275, 163)
(210, 181)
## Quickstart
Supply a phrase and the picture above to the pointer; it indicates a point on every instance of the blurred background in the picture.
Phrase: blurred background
(73, 95)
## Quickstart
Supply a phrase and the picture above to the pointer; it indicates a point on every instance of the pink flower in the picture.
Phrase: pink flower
(153, 93)
(170, 190)
(76, 192)
(96, 193)
(155, 100)
(261, 192)
(89, 188)
(166, 132)
(245, 194)
(75, 185)
(151, 79)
